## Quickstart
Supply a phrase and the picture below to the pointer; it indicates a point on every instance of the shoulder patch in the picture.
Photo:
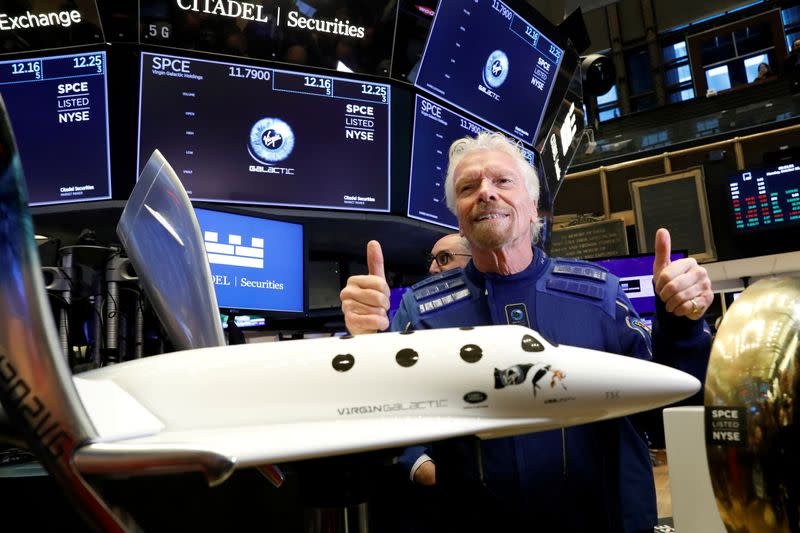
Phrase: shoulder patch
(441, 290)
(580, 288)
(442, 301)
(641, 328)
(579, 269)
(635, 323)
(438, 284)
(436, 278)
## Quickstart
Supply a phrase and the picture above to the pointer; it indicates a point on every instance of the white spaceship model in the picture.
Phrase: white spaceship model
(286, 401)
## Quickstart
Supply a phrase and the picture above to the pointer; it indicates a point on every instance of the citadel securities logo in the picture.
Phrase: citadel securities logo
(257, 13)
(29, 20)
(335, 26)
(271, 140)
(495, 71)
(227, 8)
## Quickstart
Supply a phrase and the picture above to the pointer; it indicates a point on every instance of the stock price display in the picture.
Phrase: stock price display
(435, 129)
(249, 134)
(766, 198)
(58, 109)
(484, 58)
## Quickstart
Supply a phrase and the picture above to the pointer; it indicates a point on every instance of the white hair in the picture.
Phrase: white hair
(487, 140)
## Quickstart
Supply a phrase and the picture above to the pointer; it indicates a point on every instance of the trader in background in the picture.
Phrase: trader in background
(594, 477)
(791, 65)
(449, 252)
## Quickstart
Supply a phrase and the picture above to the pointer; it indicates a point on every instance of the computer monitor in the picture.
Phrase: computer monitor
(58, 106)
(764, 198)
(343, 35)
(485, 58)
(435, 129)
(257, 264)
(239, 133)
(635, 273)
(243, 321)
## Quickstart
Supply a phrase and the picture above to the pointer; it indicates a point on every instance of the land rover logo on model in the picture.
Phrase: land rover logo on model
(475, 397)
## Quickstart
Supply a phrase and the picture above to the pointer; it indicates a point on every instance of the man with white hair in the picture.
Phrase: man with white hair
(595, 477)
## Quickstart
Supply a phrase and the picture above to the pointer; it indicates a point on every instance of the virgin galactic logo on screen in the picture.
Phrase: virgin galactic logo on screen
(240, 133)
(271, 140)
(496, 70)
(484, 58)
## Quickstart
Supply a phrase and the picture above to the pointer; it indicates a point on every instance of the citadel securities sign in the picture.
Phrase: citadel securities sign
(256, 12)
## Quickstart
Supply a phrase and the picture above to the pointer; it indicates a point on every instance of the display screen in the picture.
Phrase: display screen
(414, 19)
(435, 129)
(256, 264)
(243, 321)
(635, 275)
(344, 35)
(59, 111)
(765, 198)
(44, 24)
(242, 134)
(484, 58)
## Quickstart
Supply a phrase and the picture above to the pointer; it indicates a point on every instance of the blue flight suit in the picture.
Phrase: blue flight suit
(595, 477)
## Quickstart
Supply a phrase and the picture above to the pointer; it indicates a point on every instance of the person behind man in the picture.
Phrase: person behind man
(791, 65)
(449, 252)
(595, 477)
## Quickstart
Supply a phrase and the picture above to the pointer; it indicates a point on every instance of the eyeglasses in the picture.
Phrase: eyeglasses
(442, 258)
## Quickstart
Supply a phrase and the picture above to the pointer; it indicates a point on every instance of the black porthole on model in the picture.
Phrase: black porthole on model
(343, 362)
(531, 344)
(471, 353)
(407, 357)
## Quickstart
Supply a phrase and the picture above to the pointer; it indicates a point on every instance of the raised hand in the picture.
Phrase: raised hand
(365, 299)
(683, 285)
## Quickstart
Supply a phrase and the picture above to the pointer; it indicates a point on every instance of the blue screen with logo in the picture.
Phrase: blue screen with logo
(256, 263)
(58, 108)
(435, 129)
(635, 275)
(484, 58)
(238, 133)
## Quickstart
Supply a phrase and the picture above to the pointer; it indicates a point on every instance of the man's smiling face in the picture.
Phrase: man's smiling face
(493, 205)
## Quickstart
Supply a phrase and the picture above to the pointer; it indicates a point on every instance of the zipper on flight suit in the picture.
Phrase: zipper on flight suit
(495, 320)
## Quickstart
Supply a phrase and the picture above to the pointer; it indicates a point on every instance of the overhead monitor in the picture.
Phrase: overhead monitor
(343, 35)
(32, 25)
(239, 133)
(765, 198)
(485, 58)
(635, 273)
(257, 264)
(435, 129)
(58, 107)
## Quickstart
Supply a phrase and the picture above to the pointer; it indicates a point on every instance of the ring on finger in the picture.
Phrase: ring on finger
(695, 308)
